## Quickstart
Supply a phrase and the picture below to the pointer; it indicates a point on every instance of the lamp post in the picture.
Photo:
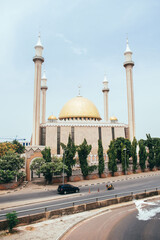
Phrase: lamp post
(125, 159)
(63, 165)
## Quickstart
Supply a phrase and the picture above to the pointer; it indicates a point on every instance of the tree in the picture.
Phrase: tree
(36, 165)
(19, 148)
(151, 155)
(142, 155)
(134, 153)
(48, 169)
(124, 158)
(6, 147)
(112, 164)
(83, 152)
(118, 143)
(157, 152)
(12, 220)
(100, 158)
(69, 155)
(58, 165)
(46, 153)
(10, 164)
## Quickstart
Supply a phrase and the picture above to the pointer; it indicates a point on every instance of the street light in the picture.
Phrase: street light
(63, 165)
(125, 159)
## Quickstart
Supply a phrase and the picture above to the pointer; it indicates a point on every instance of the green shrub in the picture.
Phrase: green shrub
(12, 220)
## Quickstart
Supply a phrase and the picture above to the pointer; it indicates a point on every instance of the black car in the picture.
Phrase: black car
(67, 188)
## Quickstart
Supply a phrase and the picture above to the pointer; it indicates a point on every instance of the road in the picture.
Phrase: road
(60, 201)
(133, 222)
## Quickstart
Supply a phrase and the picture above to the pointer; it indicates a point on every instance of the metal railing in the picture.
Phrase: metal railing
(83, 201)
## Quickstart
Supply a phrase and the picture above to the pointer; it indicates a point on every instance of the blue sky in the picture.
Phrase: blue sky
(82, 39)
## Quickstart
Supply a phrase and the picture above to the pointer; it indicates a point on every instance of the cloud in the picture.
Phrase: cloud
(75, 49)
(79, 51)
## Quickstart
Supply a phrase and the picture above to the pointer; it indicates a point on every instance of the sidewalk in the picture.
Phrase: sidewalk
(39, 185)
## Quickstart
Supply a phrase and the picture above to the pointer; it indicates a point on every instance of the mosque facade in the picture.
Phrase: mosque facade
(79, 117)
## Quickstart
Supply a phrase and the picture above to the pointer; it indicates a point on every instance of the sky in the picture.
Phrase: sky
(82, 40)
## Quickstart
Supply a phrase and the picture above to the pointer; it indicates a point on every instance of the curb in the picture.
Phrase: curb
(123, 179)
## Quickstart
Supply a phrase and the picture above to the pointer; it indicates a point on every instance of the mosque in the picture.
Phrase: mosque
(79, 117)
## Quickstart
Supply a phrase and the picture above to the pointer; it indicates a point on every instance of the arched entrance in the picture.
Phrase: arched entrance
(30, 155)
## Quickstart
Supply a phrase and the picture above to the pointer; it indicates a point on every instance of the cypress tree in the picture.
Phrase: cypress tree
(151, 155)
(134, 153)
(83, 152)
(112, 164)
(69, 155)
(100, 158)
(142, 155)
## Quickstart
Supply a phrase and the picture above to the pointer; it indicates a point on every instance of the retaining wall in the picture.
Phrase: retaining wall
(11, 185)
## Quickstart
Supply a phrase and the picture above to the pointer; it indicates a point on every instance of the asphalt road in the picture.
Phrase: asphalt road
(121, 224)
(121, 188)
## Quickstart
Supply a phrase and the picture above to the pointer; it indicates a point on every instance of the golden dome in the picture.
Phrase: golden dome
(52, 117)
(79, 107)
(113, 118)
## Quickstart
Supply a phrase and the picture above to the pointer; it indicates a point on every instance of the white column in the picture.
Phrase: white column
(105, 91)
(43, 94)
(128, 64)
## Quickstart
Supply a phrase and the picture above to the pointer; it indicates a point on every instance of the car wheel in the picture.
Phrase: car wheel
(77, 190)
(65, 192)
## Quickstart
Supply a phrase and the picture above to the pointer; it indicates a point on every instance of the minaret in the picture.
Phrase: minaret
(38, 60)
(105, 91)
(43, 94)
(128, 64)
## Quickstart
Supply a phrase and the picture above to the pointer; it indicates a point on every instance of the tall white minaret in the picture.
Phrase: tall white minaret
(38, 60)
(43, 99)
(128, 64)
(105, 91)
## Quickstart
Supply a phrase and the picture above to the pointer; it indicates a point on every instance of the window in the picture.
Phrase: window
(43, 136)
(58, 139)
(72, 133)
(126, 133)
(99, 133)
(113, 135)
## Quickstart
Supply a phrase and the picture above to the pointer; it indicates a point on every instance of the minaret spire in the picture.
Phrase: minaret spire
(39, 44)
(38, 60)
(43, 94)
(128, 64)
(127, 46)
(105, 91)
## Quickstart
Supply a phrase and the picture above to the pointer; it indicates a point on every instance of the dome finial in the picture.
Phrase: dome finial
(79, 90)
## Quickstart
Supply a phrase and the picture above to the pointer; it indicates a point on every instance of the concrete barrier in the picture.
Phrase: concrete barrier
(76, 209)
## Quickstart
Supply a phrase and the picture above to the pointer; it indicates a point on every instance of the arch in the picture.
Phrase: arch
(28, 163)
